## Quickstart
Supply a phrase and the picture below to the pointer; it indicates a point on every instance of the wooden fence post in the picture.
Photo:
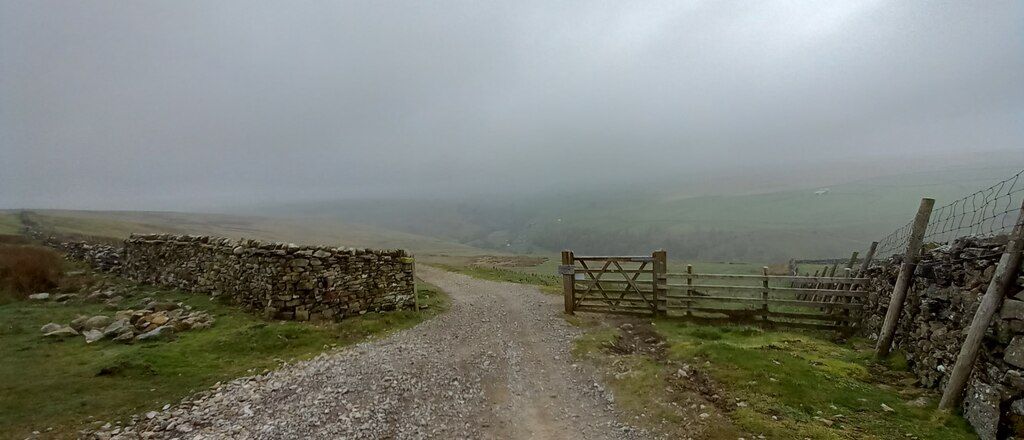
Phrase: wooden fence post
(660, 267)
(415, 291)
(867, 258)
(906, 277)
(764, 294)
(689, 291)
(853, 260)
(568, 280)
(1005, 275)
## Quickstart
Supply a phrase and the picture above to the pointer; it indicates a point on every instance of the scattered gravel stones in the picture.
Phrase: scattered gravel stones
(497, 365)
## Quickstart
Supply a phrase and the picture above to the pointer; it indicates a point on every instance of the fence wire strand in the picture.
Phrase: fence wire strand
(985, 213)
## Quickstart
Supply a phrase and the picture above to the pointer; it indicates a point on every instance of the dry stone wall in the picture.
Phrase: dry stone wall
(948, 285)
(280, 280)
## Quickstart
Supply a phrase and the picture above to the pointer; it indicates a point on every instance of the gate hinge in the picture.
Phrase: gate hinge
(566, 269)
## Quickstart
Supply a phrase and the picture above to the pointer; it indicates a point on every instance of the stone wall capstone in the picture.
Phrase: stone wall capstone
(279, 280)
(948, 285)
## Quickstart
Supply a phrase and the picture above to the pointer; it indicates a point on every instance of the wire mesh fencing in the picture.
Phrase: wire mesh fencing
(985, 213)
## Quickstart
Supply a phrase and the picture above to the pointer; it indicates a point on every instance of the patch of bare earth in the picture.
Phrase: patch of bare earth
(668, 397)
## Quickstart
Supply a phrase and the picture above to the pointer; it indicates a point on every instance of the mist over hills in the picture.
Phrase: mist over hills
(742, 226)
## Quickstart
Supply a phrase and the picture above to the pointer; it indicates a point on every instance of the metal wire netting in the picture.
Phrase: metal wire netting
(990, 211)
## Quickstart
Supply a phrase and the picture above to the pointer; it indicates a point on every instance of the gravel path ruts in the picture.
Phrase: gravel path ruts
(496, 365)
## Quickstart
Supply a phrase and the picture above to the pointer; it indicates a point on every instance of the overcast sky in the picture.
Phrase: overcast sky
(190, 104)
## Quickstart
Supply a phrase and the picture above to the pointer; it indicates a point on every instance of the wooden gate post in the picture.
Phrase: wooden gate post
(1004, 276)
(660, 267)
(906, 277)
(568, 280)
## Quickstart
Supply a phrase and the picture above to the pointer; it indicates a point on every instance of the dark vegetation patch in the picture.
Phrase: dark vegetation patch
(26, 269)
(14, 239)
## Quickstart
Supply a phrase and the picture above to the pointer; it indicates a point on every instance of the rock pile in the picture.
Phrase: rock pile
(153, 321)
(283, 281)
(948, 285)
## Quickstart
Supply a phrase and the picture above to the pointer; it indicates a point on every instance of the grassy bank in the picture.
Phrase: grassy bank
(546, 283)
(59, 386)
(9, 223)
(773, 383)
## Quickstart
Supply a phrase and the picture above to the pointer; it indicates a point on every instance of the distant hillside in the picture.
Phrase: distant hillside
(119, 224)
(812, 222)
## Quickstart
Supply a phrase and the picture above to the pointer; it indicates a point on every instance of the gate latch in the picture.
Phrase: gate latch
(566, 269)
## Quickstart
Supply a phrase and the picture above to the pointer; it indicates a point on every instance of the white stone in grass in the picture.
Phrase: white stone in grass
(92, 336)
(53, 326)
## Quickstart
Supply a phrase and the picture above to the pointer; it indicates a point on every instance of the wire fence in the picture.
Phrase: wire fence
(985, 213)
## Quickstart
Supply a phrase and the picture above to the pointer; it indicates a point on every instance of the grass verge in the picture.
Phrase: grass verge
(9, 223)
(60, 386)
(772, 383)
(546, 283)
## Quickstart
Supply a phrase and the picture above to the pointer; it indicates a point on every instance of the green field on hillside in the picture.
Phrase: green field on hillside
(9, 223)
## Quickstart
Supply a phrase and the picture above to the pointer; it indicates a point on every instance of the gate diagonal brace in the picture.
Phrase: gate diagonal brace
(596, 282)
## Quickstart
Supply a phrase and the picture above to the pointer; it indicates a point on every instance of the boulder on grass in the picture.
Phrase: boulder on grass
(126, 336)
(79, 323)
(62, 332)
(157, 333)
(39, 296)
(162, 306)
(65, 297)
(97, 322)
(92, 336)
(117, 327)
(51, 327)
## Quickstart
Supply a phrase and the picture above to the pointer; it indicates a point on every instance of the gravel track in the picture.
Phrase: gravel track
(496, 365)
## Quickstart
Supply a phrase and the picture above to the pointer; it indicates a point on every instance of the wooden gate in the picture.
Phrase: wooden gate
(644, 286)
(614, 284)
